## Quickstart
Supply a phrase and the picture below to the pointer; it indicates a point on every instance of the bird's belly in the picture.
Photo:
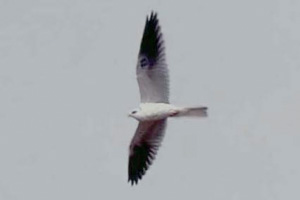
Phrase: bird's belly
(156, 111)
(156, 115)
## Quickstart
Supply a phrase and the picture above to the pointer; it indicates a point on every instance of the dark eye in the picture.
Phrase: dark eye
(133, 112)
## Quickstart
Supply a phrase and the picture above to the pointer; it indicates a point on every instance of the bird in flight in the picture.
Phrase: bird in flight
(153, 80)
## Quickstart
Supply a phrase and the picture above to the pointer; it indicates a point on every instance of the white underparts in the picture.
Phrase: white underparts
(158, 111)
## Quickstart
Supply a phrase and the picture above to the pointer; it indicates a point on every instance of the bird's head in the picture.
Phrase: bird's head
(134, 114)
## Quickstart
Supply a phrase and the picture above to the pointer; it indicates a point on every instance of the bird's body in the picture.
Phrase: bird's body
(154, 111)
(153, 79)
(158, 111)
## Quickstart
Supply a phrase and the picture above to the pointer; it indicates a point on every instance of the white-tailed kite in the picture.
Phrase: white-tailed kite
(153, 79)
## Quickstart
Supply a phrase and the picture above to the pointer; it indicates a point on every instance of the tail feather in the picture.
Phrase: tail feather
(193, 112)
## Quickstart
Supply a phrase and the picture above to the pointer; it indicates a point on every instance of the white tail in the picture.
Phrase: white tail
(192, 112)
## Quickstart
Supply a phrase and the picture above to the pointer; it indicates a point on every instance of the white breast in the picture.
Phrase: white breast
(155, 111)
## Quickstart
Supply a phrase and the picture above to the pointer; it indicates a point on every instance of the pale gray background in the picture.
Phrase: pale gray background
(67, 82)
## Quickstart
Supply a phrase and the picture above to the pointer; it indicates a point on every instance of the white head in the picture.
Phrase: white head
(135, 114)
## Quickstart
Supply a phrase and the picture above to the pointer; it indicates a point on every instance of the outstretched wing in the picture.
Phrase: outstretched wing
(152, 71)
(143, 148)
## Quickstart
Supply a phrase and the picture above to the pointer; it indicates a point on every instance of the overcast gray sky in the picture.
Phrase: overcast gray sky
(67, 82)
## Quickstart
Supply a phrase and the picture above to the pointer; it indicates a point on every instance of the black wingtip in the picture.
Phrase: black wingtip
(132, 182)
(153, 15)
(139, 162)
(152, 18)
(152, 42)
